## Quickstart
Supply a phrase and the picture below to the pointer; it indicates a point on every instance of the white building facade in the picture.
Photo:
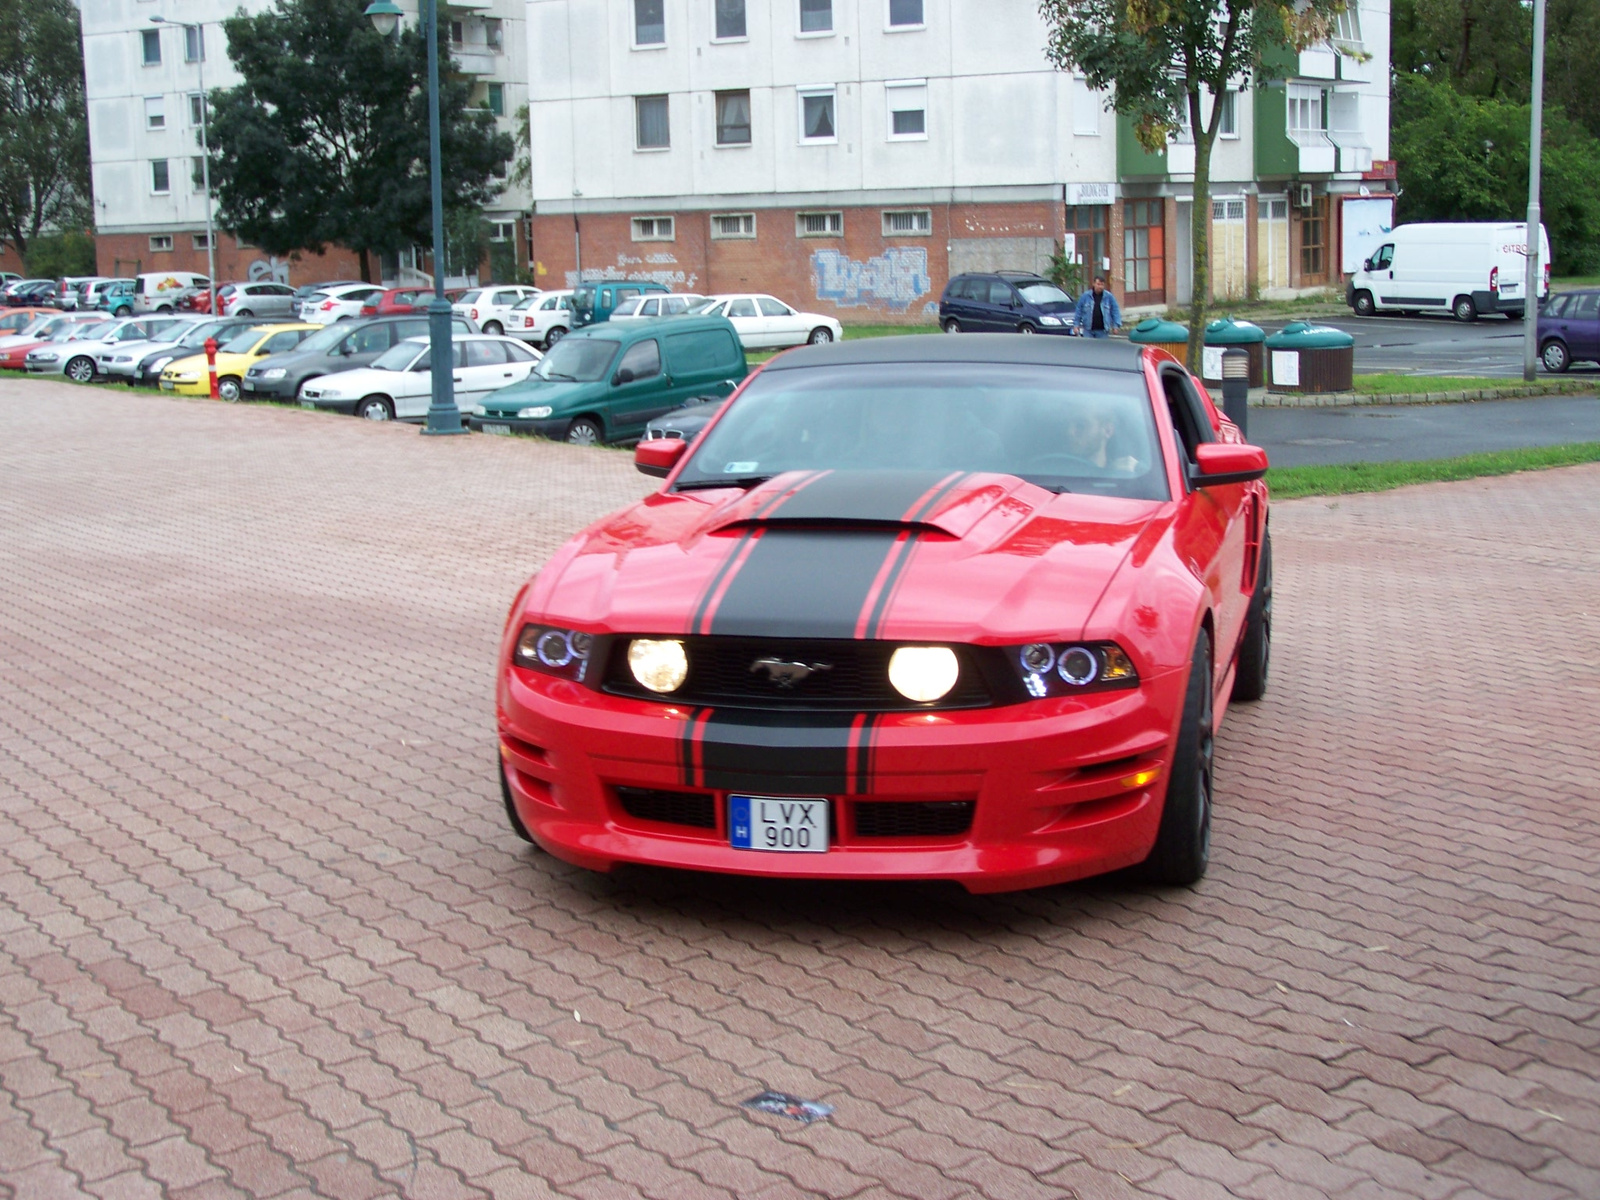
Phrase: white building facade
(855, 154)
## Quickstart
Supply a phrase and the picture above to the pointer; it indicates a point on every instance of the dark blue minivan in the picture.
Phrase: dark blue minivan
(1004, 302)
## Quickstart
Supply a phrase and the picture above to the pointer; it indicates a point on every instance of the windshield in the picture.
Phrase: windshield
(91, 332)
(1068, 430)
(197, 335)
(579, 359)
(397, 358)
(1043, 293)
(324, 339)
(469, 297)
(703, 305)
(583, 299)
(241, 343)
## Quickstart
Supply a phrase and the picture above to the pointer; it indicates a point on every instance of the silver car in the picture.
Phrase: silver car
(257, 300)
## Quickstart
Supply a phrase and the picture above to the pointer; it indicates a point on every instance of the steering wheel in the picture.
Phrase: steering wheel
(1061, 463)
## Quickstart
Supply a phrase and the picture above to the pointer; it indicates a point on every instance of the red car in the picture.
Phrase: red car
(398, 301)
(965, 608)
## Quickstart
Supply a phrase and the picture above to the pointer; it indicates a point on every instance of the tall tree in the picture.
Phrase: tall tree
(1158, 58)
(44, 136)
(325, 140)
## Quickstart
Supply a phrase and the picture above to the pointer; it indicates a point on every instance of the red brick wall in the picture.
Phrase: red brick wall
(862, 276)
(125, 254)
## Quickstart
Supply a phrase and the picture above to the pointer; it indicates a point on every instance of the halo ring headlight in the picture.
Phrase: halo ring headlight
(554, 648)
(1078, 666)
(1037, 657)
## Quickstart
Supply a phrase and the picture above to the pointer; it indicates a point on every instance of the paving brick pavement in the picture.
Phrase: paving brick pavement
(263, 931)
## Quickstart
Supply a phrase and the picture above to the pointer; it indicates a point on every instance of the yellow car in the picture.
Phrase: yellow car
(191, 377)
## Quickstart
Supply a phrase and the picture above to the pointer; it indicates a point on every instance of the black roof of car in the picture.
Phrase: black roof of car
(1102, 354)
(1021, 275)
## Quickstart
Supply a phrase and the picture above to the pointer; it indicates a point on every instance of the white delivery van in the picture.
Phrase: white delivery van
(1463, 268)
(154, 291)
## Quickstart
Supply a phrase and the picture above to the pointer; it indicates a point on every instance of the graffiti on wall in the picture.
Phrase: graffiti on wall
(269, 270)
(892, 281)
(657, 267)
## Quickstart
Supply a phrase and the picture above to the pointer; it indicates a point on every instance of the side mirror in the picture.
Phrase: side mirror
(623, 375)
(659, 456)
(1227, 462)
(1366, 264)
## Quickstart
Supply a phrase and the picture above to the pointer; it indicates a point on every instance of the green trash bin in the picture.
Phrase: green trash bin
(1310, 358)
(1169, 335)
(1231, 334)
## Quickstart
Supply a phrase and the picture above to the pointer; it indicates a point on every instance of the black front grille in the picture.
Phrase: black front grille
(836, 673)
(912, 818)
(670, 808)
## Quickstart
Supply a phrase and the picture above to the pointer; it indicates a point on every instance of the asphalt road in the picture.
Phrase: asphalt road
(1296, 437)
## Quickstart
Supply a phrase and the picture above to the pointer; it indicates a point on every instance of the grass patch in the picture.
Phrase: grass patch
(1287, 483)
(1381, 384)
(851, 332)
(1567, 282)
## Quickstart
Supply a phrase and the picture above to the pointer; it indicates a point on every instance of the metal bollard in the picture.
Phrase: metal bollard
(211, 365)
(1236, 388)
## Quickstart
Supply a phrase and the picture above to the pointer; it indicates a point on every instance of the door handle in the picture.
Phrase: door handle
(455, 379)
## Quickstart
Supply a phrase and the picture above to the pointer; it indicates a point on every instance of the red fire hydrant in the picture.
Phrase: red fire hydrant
(211, 365)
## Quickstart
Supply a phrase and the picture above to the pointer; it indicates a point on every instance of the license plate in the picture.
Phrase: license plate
(502, 430)
(248, 386)
(165, 386)
(780, 823)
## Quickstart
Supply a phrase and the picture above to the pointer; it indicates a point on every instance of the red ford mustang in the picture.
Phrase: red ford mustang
(910, 608)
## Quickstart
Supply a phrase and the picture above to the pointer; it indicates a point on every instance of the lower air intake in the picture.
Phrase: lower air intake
(914, 818)
(670, 808)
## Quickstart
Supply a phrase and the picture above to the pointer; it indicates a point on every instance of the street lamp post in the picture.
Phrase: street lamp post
(1530, 289)
(205, 150)
(443, 415)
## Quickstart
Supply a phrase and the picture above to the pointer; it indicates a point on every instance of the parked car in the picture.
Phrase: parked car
(1569, 329)
(767, 323)
(303, 292)
(593, 303)
(398, 385)
(192, 376)
(15, 320)
(55, 328)
(394, 302)
(68, 290)
(116, 298)
(331, 349)
(1005, 302)
(156, 291)
(643, 308)
(162, 329)
(986, 641)
(185, 340)
(491, 307)
(605, 383)
(1464, 268)
(342, 303)
(543, 319)
(48, 356)
(32, 292)
(685, 423)
(92, 296)
(257, 300)
(78, 358)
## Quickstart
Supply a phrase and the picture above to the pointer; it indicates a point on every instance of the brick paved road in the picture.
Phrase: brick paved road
(262, 929)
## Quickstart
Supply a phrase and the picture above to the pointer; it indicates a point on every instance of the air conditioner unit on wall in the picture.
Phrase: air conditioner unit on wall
(1305, 195)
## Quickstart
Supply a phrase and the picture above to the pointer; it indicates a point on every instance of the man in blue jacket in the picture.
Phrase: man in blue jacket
(1098, 313)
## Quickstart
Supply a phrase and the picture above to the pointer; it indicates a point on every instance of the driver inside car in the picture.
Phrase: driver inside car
(1089, 431)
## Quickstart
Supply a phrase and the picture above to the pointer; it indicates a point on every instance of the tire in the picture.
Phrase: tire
(163, 308)
(554, 336)
(1255, 652)
(494, 327)
(820, 336)
(341, 320)
(585, 431)
(1026, 328)
(228, 389)
(1364, 305)
(80, 369)
(952, 326)
(375, 408)
(1556, 357)
(517, 827)
(1464, 309)
(1183, 841)
(244, 312)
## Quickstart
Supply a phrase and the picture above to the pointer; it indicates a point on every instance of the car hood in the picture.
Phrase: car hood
(979, 558)
(366, 379)
(533, 391)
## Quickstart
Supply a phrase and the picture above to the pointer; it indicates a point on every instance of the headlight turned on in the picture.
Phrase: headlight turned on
(1064, 669)
(659, 664)
(554, 651)
(923, 673)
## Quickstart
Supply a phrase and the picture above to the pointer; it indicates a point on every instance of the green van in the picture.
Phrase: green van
(604, 383)
(593, 303)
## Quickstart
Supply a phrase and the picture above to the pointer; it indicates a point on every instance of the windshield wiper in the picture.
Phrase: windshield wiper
(559, 375)
(738, 481)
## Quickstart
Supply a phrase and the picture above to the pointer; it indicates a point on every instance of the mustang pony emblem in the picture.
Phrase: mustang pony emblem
(786, 674)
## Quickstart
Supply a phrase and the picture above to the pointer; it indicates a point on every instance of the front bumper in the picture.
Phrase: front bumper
(268, 389)
(200, 387)
(345, 407)
(1046, 782)
(555, 427)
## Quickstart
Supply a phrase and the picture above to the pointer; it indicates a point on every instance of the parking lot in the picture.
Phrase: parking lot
(1490, 347)
(264, 931)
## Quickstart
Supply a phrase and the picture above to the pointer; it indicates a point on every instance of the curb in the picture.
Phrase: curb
(1352, 399)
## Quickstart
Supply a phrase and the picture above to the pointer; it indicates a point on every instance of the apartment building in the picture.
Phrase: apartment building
(853, 155)
(143, 88)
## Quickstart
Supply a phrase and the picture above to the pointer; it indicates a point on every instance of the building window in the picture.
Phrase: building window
(502, 231)
(908, 110)
(816, 115)
(652, 229)
(733, 118)
(649, 23)
(816, 16)
(1144, 259)
(494, 33)
(650, 116)
(497, 99)
(905, 14)
(458, 33)
(1307, 115)
(197, 174)
(819, 224)
(155, 112)
(730, 20)
(194, 43)
(733, 225)
(160, 242)
(197, 109)
(903, 222)
(1347, 30)
(1228, 127)
(160, 179)
(201, 241)
(1086, 227)
(150, 40)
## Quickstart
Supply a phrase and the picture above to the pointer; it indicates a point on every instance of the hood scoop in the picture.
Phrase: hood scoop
(945, 502)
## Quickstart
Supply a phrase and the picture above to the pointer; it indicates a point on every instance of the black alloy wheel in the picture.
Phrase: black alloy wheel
(1183, 841)
(1250, 675)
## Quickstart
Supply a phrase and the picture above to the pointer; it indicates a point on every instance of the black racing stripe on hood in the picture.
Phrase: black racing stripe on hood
(871, 497)
(803, 583)
(761, 753)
